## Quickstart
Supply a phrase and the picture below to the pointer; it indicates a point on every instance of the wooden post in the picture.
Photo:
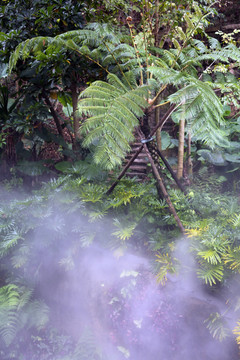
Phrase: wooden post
(163, 190)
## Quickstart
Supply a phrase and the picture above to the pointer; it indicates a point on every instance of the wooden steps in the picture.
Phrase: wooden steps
(139, 167)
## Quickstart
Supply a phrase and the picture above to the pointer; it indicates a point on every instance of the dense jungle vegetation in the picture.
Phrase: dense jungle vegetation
(119, 180)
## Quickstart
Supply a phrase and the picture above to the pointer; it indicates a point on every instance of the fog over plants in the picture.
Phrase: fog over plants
(119, 180)
(91, 296)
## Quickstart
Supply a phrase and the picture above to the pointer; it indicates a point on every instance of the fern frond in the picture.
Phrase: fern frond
(20, 259)
(87, 348)
(37, 313)
(27, 48)
(18, 309)
(9, 319)
(91, 192)
(214, 43)
(9, 240)
(114, 111)
(202, 109)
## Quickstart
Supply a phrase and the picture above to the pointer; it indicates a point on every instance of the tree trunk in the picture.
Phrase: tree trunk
(75, 105)
(181, 149)
(160, 123)
(171, 172)
(189, 159)
(54, 114)
(163, 190)
(123, 172)
(158, 132)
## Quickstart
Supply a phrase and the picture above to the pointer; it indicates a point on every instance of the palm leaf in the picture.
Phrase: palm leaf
(210, 273)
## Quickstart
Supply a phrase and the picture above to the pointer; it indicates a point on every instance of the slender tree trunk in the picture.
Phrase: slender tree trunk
(158, 132)
(163, 120)
(189, 159)
(54, 114)
(171, 171)
(181, 149)
(163, 190)
(123, 172)
(75, 105)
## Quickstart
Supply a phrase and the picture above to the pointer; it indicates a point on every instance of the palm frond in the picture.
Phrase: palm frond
(165, 265)
(125, 231)
(210, 273)
(217, 326)
(232, 258)
(211, 255)
(236, 331)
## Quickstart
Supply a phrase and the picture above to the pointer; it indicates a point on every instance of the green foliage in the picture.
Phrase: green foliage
(165, 265)
(217, 326)
(232, 258)
(19, 309)
(210, 274)
(114, 109)
(25, 19)
(55, 226)
(236, 332)
(125, 231)
(86, 347)
(193, 100)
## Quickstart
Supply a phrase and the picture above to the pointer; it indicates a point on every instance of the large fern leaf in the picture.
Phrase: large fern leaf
(17, 309)
(197, 104)
(113, 110)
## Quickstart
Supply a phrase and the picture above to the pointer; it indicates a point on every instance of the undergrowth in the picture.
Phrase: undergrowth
(53, 227)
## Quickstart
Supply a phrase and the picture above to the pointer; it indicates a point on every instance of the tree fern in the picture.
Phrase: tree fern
(196, 102)
(113, 111)
(97, 42)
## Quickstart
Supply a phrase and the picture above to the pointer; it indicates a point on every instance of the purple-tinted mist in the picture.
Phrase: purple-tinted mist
(130, 315)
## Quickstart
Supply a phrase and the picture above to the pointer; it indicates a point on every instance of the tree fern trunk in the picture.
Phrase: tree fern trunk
(160, 123)
(123, 172)
(171, 171)
(181, 149)
(163, 190)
